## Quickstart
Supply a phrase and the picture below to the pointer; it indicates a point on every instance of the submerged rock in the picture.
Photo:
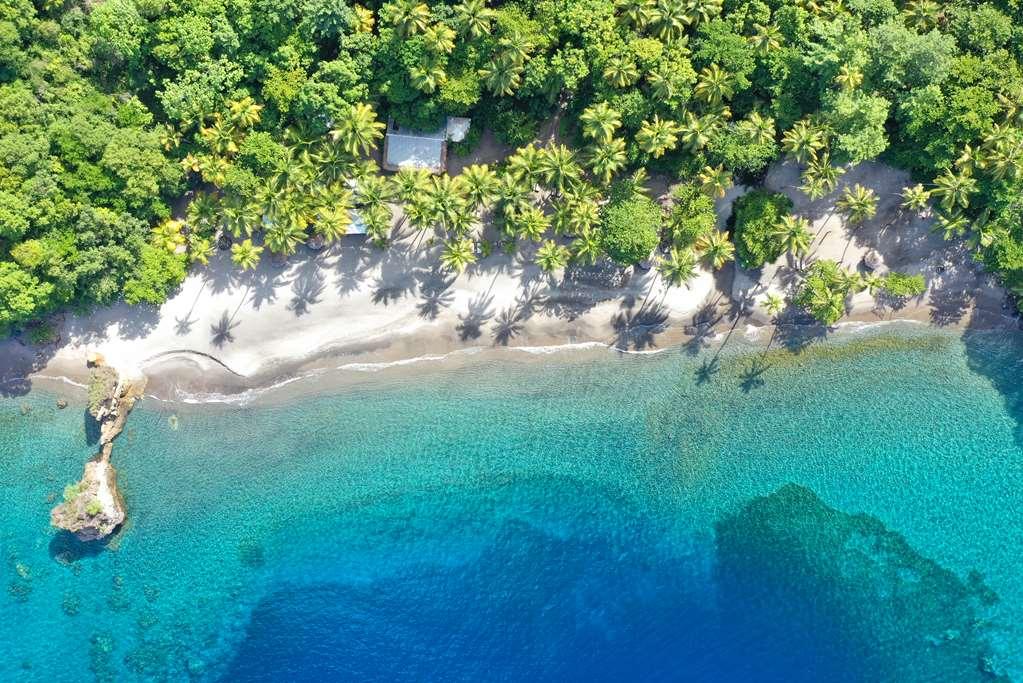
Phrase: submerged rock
(93, 508)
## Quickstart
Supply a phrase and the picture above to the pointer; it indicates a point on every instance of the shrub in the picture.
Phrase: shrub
(824, 291)
(93, 508)
(629, 229)
(159, 273)
(756, 215)
(692, 215)
(902, 285)
(102, 383)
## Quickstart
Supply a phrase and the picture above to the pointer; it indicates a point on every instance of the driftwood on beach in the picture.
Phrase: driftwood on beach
(93, 508)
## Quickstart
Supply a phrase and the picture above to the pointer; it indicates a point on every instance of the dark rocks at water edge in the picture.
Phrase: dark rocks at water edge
(93, 508)
(61, 403)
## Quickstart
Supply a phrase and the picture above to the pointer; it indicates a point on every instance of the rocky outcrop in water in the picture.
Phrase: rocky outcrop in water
(93, 508)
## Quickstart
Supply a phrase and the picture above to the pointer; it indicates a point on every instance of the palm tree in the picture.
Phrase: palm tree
(377, 218)
(766, 39)
(221, 137)
(200, 249)
(203, 211)
(283, 236)
(473, 18)
(802, 141)
(954, 189)
(244, 113)
(407, 16)
(923, 15)
(374, 190)
(359, 129)
(513, 193)
(915, 198)
(449, 205)
(715, 180)
(716, 249)
(586, 248)
(245, 254)
(364, 20)
(849, 78)
(971, 159)
(773, 304)
(858, 203)
(663, 82)
(657, 136)
(714, 85)
(168, 235)
(679, 268)
(559, 168)
(820, 177)
(481, 185)
(584, 215)
(458, 254)
(607, 159)
(697, 132)
(439, 39)
(332, 223)
(427, 76)
(333, 163)
(759, 128)
(621, 71)
(670, 19)
(552, 256)
(794, 233)
(530, 223)
(411, 183)
(502, 75)
(952, 224)
(600, 121)
(525, 163)
(702, 10)
(637, 13)
(515, 48)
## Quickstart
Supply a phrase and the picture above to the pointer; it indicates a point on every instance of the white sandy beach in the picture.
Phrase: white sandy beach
(354, 303)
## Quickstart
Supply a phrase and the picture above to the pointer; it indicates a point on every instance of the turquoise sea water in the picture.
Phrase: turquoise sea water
(849, 513)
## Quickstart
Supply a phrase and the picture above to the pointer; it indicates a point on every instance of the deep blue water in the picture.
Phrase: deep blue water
(848, 513)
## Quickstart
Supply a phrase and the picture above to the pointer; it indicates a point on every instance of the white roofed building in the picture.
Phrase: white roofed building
(407, 148)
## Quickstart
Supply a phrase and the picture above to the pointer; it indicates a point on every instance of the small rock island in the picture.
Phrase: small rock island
(93, 508)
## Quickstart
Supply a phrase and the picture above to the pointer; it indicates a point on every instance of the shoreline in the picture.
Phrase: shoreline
(184, 378)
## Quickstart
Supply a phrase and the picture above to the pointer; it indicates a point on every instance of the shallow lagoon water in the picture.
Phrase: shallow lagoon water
(851, 512)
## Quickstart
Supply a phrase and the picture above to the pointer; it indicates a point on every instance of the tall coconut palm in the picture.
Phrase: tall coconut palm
(448, 202)
(696, 131)
(513, 193)
(559, 168)
(794, 233)
(458, 254)
(515, 48)
(530, 223)
(221, 137)
(773, 304)
(636, 13)
(716, 249)
(407, 16)
(820, 177)
(657, 136)
(951, 224)
(849, 78)
(955, 189)
(664, 83)
(502, 75)
(473, 18)
(599, 122)
(374, 190)
(427, 76)
(411, 183)
(766, 38)
(481, 185)
(200, 249)
(702, 10)
(242, 216)
(587, 248)
(670, 19)
(168, 235)
(803, 141)
(760, 128)
(284, 235)
(714, 85)
(245, 254)
(858, 203)
(607, 159)
(552, 256)
(679, 268)
(244, 112)
(439, 39)
(203, 212)
(377, 219)
(621, 71)
(358, 130)
(364, 19)
(715, 180)
(525, 163)
(915, 198)
(584, 215)
(923, 15)
(332, 223)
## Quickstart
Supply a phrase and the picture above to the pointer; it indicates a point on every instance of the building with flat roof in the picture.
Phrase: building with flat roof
(407, 148)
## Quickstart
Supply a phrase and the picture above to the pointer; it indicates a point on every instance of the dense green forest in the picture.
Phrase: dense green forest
(110, 111)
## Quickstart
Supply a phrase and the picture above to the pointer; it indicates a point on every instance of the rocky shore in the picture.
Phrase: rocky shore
(93, 508)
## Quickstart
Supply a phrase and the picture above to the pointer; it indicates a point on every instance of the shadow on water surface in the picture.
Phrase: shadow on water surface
(998, 356)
